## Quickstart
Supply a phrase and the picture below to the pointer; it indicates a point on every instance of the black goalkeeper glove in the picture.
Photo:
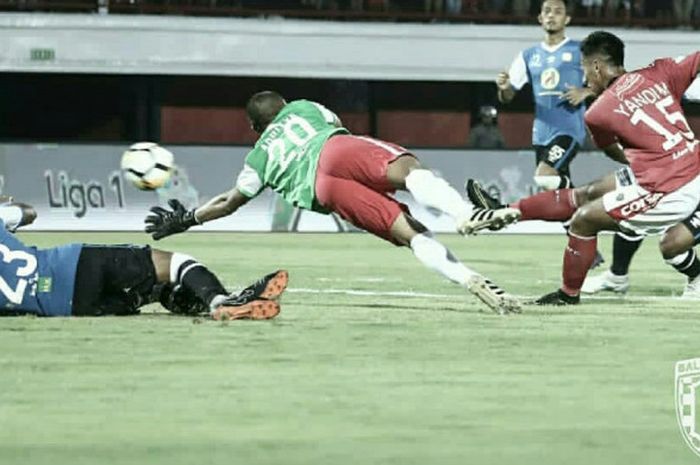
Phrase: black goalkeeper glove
(162, 223)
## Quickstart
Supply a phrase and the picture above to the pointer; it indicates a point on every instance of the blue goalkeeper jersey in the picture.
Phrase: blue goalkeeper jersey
(38, 281)
(551, 71)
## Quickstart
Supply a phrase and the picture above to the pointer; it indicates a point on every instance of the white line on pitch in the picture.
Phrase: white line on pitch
(628, 298)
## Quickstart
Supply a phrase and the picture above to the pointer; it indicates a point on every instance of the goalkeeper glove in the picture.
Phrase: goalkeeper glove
(162, 223)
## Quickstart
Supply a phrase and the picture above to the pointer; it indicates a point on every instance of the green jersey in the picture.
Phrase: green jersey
(286, 155)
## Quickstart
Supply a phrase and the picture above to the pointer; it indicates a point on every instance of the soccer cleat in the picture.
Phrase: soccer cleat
(231, 309)
(558, 298)
(482, 218)
(480, 196)
(493, 296)
(606, 281)
(692, 290)
(269, 287)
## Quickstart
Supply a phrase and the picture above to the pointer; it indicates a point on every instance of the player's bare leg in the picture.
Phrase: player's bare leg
(580, 252)
(406, 173)
(434, 255)
(676, 247)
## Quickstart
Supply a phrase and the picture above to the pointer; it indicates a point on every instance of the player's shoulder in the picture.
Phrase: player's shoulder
(600, 107)
(531, 50)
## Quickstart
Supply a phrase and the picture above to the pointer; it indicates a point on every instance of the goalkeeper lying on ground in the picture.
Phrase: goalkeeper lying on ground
(93, 280)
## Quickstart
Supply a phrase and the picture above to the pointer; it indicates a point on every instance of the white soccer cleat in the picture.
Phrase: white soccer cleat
(692, 290)
(482, 218)
(493, 296)
(606, 282)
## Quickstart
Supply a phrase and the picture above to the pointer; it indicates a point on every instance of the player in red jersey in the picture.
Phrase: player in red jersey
(641, 112)
(636, 117)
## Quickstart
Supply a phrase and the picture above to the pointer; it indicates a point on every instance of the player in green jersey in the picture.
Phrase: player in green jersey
(307, 156)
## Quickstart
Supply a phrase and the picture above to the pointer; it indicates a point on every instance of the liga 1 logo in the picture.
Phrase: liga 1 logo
(687, 383)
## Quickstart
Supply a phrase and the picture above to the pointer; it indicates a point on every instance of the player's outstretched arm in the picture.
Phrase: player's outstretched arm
(222, 205)
(162, 222)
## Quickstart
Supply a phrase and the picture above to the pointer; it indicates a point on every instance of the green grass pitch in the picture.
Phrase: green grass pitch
(373, 360)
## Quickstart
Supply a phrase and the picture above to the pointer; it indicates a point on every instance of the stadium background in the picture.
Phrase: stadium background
(373, 359)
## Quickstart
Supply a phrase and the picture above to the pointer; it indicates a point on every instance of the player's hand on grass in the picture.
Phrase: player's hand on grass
(162, 222)
(503, 80)
(577, 95)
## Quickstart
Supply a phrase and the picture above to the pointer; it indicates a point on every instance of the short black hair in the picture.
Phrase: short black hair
(262, 108)
(565, 2)
(608, 45)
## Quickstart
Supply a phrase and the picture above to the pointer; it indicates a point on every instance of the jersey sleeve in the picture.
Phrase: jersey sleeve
(680, 72)
(10, 217)
(249, 182)
(328, 116)
(518, 72)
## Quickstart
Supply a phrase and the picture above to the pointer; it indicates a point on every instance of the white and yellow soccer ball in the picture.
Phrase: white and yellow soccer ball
(147, 165)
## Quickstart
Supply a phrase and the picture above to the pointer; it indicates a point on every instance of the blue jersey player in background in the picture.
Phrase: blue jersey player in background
(553, 69)
(93, 280)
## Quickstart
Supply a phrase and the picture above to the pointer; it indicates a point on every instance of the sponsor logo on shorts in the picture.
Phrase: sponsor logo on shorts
(687, 382)
(641, 204)
(555, 153)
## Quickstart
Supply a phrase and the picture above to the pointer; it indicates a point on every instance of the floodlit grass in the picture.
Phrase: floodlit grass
(340, 377)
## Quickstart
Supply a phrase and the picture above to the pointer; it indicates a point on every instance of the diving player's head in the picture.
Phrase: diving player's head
(603, 59)
(262, 109)
(553, 16)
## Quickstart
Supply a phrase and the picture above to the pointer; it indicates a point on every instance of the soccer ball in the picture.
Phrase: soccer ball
(147, 165)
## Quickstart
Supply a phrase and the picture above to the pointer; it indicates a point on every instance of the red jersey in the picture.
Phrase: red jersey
(641, 110)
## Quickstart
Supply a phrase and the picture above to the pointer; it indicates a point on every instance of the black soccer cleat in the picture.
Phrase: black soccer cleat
(482, 218)
(269, 287)
(480, 196)
(558, 298)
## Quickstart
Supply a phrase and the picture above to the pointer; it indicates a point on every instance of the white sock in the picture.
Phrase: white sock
(216, 301)
(435, 192)
(435, 256)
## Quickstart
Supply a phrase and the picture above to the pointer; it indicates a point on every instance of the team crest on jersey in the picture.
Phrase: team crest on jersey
(627, 83)
(550, 78)
(535, 60)
(687, 383)
(567, 56)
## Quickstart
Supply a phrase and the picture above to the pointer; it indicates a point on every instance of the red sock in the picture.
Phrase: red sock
(578, 257)
(555, 205)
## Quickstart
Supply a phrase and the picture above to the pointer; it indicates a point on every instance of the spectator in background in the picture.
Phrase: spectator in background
(433, 6)
(486, 134)
(495, 6)
(593, 8)
(613, 6)
(521, 7)
(682, 12)
(454, 7)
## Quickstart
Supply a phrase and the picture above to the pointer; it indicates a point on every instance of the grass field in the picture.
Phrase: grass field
(410, 371)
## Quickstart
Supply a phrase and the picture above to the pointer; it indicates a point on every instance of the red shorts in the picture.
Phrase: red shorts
(351, 181)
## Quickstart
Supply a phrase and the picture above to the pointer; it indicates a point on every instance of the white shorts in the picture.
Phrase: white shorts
(643, 212)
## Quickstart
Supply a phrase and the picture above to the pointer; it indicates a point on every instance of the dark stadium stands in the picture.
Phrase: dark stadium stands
(641, 13)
